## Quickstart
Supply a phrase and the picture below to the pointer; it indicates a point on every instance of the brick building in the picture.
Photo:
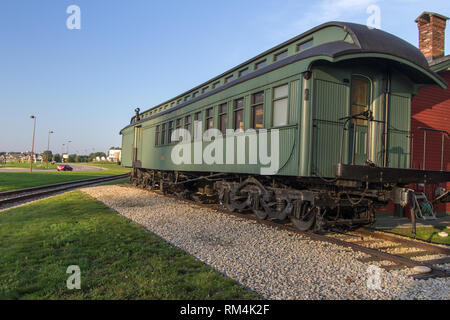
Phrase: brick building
(431, 107)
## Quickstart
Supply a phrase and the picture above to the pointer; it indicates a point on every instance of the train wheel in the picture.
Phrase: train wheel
(307, 220)
(259, 212)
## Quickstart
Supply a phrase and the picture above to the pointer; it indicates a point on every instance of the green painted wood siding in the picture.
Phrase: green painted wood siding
(330, 103)
(127, 147)
(399, 131)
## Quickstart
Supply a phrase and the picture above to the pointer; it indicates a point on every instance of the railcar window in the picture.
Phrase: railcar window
(198, 127)
(172, 104)
(305, 45)
(179, 101)
(169, 132)
(280, 106)
(163, 134)
(360, 99)
(205, 90)
(280, 55)
(260, 64)
(228, 79)
(257, 110)
(243, 72)
(216, 84)
(157, 136)
(209, 118)
(187, 98)
(239, 114)
(187, 125)
(223, 119)
(195, 94)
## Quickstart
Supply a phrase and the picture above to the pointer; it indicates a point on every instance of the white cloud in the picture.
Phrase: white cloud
(332, 10)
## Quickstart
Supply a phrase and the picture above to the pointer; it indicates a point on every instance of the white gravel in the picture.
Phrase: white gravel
(275, 264)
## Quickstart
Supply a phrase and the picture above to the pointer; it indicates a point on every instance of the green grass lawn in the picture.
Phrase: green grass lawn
(429, 234)
(19, 180)
(118, 259)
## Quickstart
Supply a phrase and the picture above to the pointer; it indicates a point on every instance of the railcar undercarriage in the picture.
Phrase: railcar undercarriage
(310, 203)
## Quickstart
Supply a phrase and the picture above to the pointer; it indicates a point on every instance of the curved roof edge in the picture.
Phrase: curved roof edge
(366, 42)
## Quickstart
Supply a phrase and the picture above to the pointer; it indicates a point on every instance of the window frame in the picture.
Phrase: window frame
(236, 110)
(254, 105)
(209, 117)
(276, 56)
(157, 135)
(200, 116)
(188, 125)
(260, 62)
(228, 79)
(163, 134)
(244, 72)
(169, 132)
(279, 99)
(298, 45)
(221, 115)
(215, 85)
(360, 122)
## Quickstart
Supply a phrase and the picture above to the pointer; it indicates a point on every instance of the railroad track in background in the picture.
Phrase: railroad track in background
(399, 251)
(20, 195)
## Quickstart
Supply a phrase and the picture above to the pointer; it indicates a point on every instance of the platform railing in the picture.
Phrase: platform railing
(425, 130)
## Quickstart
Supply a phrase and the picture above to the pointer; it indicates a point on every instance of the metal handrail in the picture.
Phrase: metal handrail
(366, 115)
(442, 132)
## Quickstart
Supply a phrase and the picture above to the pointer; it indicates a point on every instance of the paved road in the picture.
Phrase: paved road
(76, 167)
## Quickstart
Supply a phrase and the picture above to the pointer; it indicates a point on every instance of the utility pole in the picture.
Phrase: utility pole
(32, 144)
(48, 146)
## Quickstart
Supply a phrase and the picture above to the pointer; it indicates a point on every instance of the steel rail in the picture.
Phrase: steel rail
(398, 260)
(398, 239)
(19, 195)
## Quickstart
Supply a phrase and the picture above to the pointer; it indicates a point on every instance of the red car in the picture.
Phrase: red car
(64, 167)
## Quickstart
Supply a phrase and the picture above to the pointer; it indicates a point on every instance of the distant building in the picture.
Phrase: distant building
(114, 155)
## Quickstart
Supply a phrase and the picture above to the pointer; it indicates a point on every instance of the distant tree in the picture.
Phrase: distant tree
(80, 158)
(92, 156)
(47, 156)
(72, 157)
(57, 157)
(115, 148)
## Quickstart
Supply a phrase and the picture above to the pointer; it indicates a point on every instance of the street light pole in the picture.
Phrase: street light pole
(68, 147)
(32, 144)
(48, 146)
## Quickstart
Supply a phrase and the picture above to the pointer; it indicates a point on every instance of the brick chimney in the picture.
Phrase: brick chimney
(431, 34)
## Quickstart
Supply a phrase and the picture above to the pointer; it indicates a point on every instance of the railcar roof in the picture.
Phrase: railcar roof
(365, 40)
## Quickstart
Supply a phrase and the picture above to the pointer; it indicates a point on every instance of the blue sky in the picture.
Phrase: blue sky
(84, 84)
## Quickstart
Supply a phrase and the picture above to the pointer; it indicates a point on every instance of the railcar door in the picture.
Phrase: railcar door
(359, 128)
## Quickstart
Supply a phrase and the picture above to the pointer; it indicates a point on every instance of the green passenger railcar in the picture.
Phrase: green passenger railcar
(336, 98)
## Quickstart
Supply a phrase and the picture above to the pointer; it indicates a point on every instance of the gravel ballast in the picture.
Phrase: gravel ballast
(274, 263)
